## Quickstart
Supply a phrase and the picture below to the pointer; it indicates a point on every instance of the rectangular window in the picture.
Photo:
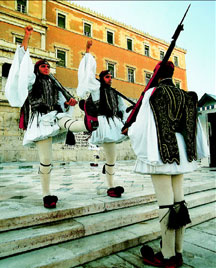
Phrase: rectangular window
(18, 40)
(109, 37)
(22, 6)
(147, 78)
(62, 56)
(111, 68)
(147, 51)
(129, 44)
(175, 60)
(161, 55)
(61, 20)
(178, 84)
(5, 69)
(131, 75)
(87, 29)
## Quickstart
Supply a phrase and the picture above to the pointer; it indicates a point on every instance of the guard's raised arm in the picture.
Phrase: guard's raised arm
(88, 45)
(28, 32)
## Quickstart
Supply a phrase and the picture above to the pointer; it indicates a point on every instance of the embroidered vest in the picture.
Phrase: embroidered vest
(174, 111)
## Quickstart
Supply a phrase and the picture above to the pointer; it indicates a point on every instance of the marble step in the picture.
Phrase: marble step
(14, 215)
(17, 241)
(83, 250)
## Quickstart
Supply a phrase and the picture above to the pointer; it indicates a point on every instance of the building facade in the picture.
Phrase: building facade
(61, 30)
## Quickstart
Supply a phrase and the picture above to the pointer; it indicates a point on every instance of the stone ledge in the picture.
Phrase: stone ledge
(16, 241)
(80, 251)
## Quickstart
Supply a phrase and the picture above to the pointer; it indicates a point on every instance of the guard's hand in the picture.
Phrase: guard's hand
(71, 102)
(88, 45)
(28, 30)
(125, 131)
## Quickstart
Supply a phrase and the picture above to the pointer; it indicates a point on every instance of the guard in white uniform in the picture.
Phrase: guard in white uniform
(167, 139)
(110, 110)
(46, 110)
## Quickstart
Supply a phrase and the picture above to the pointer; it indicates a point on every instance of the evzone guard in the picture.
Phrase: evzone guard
(46, 112)
(109, 110)
(167, 138)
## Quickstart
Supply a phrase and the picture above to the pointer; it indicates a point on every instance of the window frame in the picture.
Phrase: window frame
(57, 19)
(162, 51)
(17, 36)
(177, 82)
(147, 45)
(114, 68)
(177, 59)
(88, 23)
(109, 31)
(26, 7)
(130, 39)
(57, 63)
(147, 73)
(128, 75)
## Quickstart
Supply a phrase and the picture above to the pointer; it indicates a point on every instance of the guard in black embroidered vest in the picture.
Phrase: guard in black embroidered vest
(110, 110)
(46, 113)
(168, 139)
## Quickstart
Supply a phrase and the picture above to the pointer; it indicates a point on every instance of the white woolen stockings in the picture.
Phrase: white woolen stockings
(169, 189)
(45, 156)
(71, 124)
(110, 155)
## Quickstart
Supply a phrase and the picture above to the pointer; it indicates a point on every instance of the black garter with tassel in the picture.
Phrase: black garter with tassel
(183, 214)
(172, 218)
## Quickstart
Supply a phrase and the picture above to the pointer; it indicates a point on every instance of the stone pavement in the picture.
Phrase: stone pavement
(72, 181)
(78, 182)
(199, 251)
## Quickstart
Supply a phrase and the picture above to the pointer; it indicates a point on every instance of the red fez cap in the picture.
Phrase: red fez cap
(102, 74)
(166, 70)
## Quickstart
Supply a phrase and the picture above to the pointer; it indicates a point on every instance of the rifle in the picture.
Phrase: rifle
(65, 93)
(123, 96)
(153, 81)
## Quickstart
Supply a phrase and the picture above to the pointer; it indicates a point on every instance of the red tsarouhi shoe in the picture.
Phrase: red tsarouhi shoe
(115, 192)
(50, 201)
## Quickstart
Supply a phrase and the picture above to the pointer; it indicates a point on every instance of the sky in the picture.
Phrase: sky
(160, 19)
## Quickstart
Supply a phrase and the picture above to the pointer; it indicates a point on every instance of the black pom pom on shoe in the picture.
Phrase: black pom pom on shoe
(147, 253)
(119, 189)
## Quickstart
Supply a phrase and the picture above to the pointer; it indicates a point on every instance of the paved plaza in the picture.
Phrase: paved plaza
(71, 181)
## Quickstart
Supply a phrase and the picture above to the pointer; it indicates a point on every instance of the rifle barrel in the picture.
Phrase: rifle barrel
(185, 14)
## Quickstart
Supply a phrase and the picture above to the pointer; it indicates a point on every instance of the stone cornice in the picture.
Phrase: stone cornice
(18, 20)
(35, 52)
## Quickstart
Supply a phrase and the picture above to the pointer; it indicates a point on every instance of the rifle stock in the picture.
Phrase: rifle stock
(153, 81)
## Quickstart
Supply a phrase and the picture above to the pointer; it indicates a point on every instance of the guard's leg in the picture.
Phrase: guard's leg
(72, 125)
(165, 197)
(45, 156)
(182, 214)
(109, 168)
